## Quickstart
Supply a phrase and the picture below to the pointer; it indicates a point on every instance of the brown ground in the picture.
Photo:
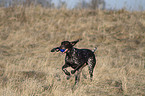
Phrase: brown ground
(28, 68)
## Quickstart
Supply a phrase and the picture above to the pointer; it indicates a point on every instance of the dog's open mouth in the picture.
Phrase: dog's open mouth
(65, 50)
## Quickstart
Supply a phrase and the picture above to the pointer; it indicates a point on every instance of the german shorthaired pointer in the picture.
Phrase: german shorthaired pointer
(76, 59)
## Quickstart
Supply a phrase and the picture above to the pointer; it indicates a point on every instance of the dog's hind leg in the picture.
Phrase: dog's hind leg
(77, 79)
(78, 67)
(77, 76)
(91, 65)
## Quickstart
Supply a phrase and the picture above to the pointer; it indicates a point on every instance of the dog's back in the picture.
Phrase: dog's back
(84, 54)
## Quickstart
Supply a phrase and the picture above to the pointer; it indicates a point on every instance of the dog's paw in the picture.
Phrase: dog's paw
(68, 77)
(73, 71)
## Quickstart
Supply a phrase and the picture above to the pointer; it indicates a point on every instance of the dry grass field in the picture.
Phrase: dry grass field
(28, 68)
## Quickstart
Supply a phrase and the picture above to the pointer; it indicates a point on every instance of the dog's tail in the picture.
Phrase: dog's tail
(94, 49)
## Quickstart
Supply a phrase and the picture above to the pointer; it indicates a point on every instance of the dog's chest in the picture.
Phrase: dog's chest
(72, 59)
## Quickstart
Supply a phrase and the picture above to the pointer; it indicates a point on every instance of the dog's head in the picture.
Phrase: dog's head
(65, 46)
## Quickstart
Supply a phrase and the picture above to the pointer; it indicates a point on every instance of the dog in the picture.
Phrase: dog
(76, 59)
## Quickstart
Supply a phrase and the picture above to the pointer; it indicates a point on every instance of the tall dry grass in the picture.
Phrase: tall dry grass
(27, 67)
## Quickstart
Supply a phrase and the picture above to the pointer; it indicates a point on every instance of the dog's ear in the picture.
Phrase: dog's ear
(55, 49)
(74, 42)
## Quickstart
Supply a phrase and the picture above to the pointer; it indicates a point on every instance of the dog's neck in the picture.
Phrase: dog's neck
(70, 52)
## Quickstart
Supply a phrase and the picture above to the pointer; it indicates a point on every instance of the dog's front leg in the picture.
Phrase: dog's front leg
(65, 71)
(80, 67)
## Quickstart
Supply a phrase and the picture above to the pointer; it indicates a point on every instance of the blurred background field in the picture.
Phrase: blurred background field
(28, 33)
